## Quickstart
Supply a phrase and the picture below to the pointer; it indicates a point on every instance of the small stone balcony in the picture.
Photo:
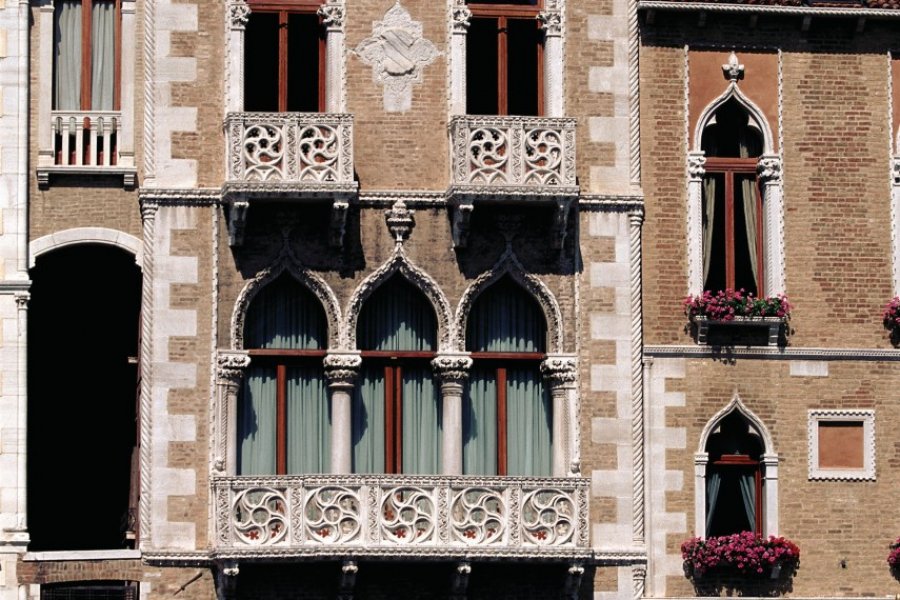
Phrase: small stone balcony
(511, 159)
(288, 156)
(441, 517)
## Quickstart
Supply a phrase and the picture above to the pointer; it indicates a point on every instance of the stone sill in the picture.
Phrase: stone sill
(736, 328)
(820, 11)
(61, 555)
(128, 174)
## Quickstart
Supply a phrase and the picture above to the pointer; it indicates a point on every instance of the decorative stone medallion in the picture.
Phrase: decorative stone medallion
(398, 54)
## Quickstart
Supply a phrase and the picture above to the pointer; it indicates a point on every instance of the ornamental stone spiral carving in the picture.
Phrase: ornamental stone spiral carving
(407, 515)
(260, 516)
(488, 155)
(543, 157)
(319, 149)
(477, 517)
(548, 517)
(263, 152)
(333, 515)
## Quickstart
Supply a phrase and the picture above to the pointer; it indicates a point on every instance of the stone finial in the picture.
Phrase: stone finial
(733, 70)
(400, 221)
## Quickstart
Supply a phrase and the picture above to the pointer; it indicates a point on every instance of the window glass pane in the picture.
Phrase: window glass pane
(368, 420)
(528, 424)
(480, 423)
(397, 317)
(522, 65)
(261, 62)
(67, 55)
(285, 314)
(736, 487)
(308, 420)
(303, 62)
(421, 421)
(481, 67)
(747, 232)
(505, 318)
(256, 422)
(103, 54)
(714, 232)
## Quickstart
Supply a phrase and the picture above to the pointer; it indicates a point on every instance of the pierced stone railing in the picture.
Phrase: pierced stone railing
(377, 515)
(513, 154)
(85, 138)
(279, 150)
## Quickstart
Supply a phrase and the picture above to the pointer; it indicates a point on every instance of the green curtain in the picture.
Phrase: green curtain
(421, 421)
(480, 423)
(286, 315)
(368, 420)
(308, 421)
(397, 317)
(528, 430)
(506, 319)
(256, 423)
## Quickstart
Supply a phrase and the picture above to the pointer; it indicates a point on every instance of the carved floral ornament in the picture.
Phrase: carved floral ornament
(238, 13)
(398, 54)
(332, 14)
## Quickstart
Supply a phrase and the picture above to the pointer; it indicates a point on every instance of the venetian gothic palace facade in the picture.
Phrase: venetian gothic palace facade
(384, 298)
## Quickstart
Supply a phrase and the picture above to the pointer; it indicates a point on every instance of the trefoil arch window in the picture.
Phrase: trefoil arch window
(396, 409)
(507, 414)
(284, 57)
(284, 418)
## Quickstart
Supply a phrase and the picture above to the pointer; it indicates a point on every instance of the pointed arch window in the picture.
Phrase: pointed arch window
(396, 406)
(284, 421)
(734, 478)
(507, 417)
(732, 209)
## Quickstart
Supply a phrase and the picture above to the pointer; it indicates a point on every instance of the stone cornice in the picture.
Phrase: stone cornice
(769, 353)
(878, 13)
(181, 197)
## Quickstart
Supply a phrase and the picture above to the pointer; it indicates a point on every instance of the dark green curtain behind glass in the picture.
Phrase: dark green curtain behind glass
(506, 319)
(285, 315)
(397, 317)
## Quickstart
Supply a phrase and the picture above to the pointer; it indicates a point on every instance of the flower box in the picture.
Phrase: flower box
(891, 319)
(737, 318)
(893, 559)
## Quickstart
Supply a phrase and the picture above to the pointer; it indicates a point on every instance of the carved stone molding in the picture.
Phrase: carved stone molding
(461, 18)
(398, 54)
(400, 263)
(238, 14)
(733, 70)
(452, 368)
(230, 366)
(341, 369)
(509, 264)
(400, 221)
(864, 417)
(286, 262)
(333, 15)
(560, 370)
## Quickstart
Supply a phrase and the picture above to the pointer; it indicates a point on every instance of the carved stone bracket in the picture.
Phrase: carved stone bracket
(226, 580)
(461, 218)
(338, 228)
(573, 581)
(347, 583)
(561, 223)
(461, 581)
(237, 220)
(400, 221)
(342, 368)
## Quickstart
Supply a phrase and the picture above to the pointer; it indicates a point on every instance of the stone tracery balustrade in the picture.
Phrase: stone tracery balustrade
(276, 151)
(439, 516)
(518, 155)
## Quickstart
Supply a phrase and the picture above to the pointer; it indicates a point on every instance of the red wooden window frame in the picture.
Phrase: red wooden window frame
(734, 462)
(281, 359)
(730, 168)
(500, 361)
(503, 13)
(285, 8)
(86, 46)
(394, 362)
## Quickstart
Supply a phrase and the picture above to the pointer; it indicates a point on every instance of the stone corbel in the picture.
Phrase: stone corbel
(461, 581)
(461, 218)
(561, 223)
(231, 366)
(237, 220)
(338, 226)
(347, 582)
(226, 580)
(573, 581)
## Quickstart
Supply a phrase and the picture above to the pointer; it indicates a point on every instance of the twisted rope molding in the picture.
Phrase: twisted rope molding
(635, 220)
(149, 90)
(634, 89)
(884, 13)
(148, 216)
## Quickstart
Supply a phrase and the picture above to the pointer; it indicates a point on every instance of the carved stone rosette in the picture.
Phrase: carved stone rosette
(342, 369)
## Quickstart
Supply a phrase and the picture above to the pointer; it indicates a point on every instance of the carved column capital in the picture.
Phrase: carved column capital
(461, 19)
(895, 169)
(551, 22)
(238, 14)
(769, 169)
(452, 368)
(696, 165)
(636, 218)
(332, 15)
(148, 210)
(22, 299)
(230, 366)
(560, 370)
(342, 368)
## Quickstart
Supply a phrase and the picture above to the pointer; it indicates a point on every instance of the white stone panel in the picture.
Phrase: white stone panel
(809, 368)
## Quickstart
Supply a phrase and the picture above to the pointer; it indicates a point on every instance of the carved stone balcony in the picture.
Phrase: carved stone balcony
(389, 515)
(288, 155)
(524, 159)
(86, 143)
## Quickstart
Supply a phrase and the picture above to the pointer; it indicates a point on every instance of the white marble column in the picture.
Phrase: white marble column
(45, 84)
(560, 373)
(551, 22)
(332, 13)
(232, 365)
(238, 13)
(696, 170)
(460, 18)
(773, 223)
(452, 371)
(342, 368)
(129, 44)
